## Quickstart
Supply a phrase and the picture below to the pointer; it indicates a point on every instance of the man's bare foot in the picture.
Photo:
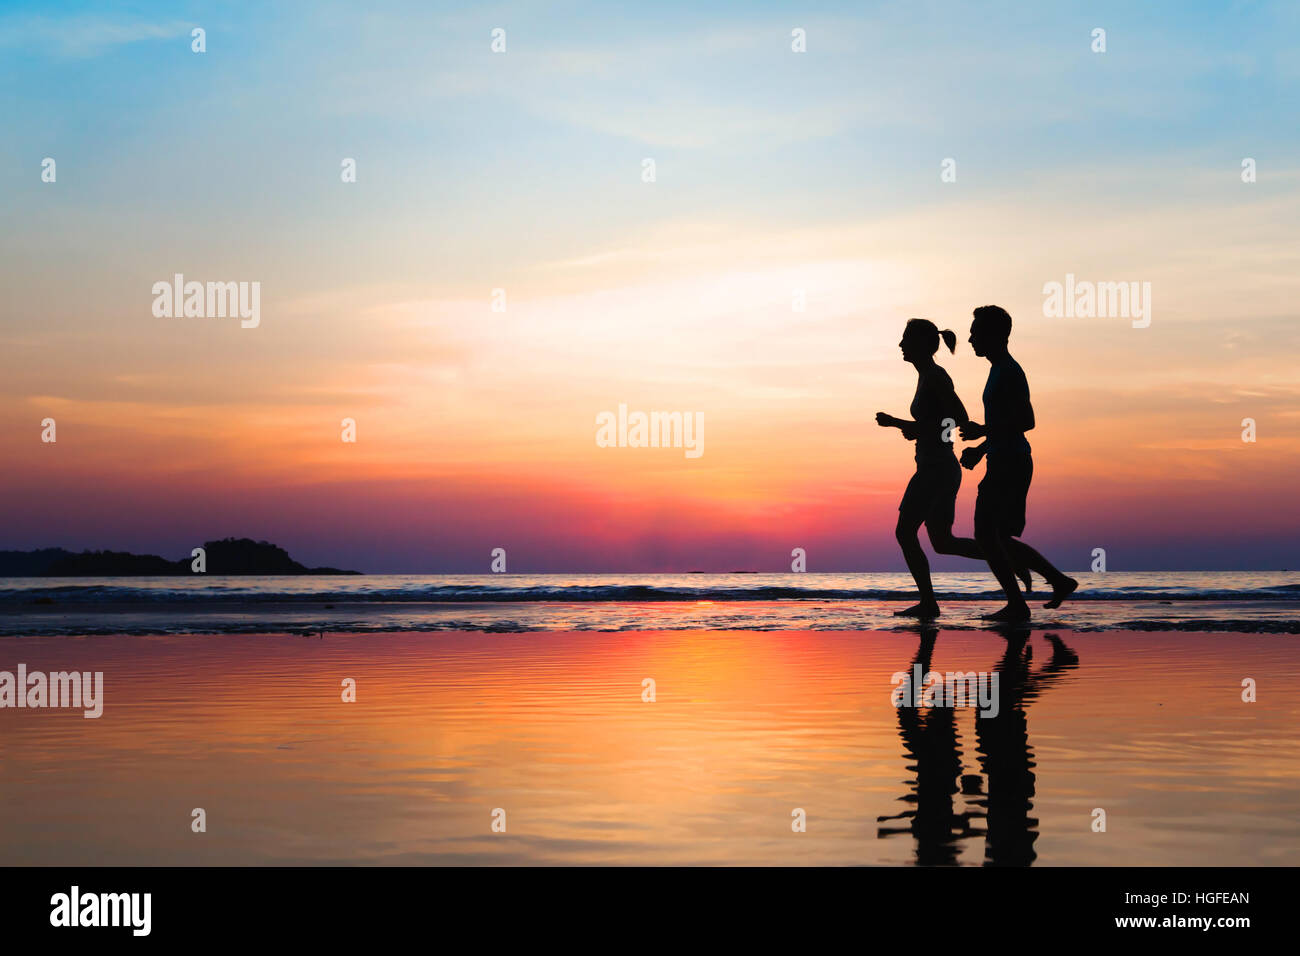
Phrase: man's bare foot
(919, 610)
(1062, 590)
(1024, 575)
(1011, 612)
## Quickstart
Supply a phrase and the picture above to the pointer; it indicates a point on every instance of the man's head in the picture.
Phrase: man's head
(990, 330)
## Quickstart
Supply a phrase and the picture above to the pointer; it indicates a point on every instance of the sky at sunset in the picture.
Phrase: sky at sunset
(775, 172)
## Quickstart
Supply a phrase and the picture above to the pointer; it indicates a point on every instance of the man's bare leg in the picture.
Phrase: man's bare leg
(996, 553)
(1024, 556)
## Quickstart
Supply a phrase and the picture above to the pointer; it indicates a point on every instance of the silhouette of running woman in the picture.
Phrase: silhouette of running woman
(1000, 505)
(931, 495)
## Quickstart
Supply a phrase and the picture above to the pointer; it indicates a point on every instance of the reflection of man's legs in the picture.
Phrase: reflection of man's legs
(1005, 755)
(1002, 743)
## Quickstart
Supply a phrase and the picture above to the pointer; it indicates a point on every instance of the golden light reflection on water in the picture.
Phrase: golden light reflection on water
(745, 727)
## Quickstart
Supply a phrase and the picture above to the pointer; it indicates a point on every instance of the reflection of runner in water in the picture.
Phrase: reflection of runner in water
(1004, 753)
(931, 495)
(929, 737)
(1000, 507)
(932, 747)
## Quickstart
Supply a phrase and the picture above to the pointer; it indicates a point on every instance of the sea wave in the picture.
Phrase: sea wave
(316, 629)
(584, 594)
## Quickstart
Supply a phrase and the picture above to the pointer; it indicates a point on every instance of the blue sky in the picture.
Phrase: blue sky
(444, 128)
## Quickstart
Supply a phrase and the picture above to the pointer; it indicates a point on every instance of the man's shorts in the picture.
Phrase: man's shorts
(1000, 504)
(931, 495)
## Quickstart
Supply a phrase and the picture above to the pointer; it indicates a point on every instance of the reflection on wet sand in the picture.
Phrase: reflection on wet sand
(745, 727)
(1002, 794)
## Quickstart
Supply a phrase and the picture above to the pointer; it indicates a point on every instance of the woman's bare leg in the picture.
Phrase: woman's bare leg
(919, 565)
(944, 542)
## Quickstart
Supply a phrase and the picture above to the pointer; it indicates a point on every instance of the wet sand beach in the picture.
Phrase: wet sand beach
(745, 729)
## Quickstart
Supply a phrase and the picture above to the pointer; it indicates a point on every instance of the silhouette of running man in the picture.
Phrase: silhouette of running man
(931, 495)
(1000, 504)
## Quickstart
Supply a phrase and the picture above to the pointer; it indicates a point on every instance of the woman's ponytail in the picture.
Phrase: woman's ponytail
(949, 339)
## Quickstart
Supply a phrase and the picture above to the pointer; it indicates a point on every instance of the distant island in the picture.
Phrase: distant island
(227, 556)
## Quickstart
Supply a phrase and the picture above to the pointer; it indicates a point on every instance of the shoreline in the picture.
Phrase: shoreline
(1131, 602)
(302, 619)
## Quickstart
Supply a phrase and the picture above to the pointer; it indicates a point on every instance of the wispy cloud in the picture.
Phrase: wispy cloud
(82, 36)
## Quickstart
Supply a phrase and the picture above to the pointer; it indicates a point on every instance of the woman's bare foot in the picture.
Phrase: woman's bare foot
(1011, 612)
(1024, 575)
(924, 609)
(1061, 590)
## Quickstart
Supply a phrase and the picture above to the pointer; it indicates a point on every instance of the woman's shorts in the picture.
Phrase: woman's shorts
(931, 495)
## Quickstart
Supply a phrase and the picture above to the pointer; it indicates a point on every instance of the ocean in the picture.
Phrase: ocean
(1245, 601)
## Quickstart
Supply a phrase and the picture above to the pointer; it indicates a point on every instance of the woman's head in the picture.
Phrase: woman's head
(921, 339)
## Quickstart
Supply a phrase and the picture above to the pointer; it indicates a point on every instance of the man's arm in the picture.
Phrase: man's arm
(972, 456)
(1023, 409)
